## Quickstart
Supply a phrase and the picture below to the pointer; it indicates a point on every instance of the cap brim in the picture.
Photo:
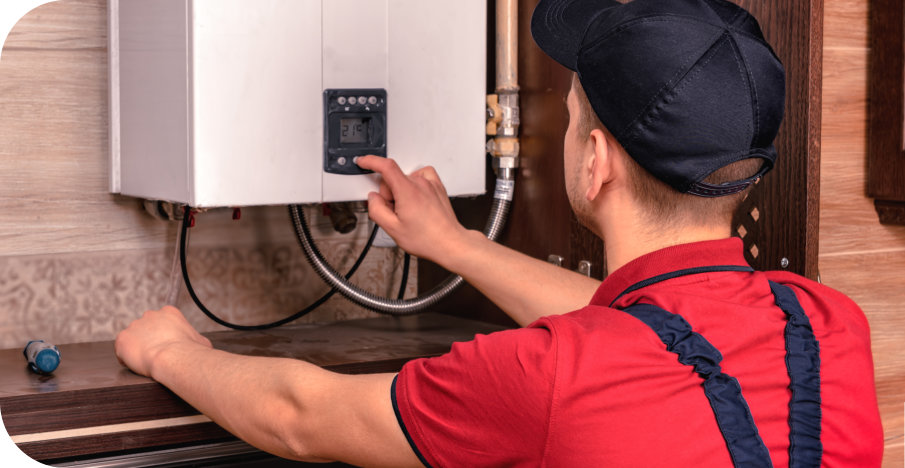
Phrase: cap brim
(558, 26)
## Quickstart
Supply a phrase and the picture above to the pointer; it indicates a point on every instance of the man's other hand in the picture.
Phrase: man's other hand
(414, 210)
(138, 345)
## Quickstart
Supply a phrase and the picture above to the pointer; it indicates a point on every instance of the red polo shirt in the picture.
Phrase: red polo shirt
(597, 387)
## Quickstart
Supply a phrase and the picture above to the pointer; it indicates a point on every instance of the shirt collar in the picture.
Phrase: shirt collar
(679, 257)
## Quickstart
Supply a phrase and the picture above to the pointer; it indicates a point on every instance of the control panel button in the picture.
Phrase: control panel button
(372, 100)
(341, 100)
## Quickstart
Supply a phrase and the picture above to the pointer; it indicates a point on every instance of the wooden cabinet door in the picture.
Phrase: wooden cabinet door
(886, 112)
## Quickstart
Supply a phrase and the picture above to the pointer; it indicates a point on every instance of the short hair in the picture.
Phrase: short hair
(660, 203)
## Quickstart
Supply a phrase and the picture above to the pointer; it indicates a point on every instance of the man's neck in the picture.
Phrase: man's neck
(625, 242)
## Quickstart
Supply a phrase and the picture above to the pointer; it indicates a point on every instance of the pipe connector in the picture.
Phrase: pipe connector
(503, 122)
(494, 114)
(505, 151)
(503, 114)
(509, 107)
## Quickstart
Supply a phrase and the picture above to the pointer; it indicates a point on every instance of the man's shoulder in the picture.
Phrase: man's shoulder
(829, 310)
(800, 282)
(818, 294)
(596, 326)
(588, 318)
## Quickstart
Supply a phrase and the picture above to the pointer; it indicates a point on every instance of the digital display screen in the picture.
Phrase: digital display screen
(354, 130)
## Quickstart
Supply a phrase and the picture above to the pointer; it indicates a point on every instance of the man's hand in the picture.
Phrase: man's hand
(423, 223)
(414, 210)
(138, 345)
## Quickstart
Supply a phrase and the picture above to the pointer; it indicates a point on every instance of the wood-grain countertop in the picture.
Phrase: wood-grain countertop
(92, 405)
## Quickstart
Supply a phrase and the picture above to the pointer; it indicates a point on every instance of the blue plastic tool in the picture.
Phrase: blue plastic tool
(42, 357)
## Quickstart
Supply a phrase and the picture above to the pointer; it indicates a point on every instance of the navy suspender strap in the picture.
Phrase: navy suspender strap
(746, 448)
(803, 363)
(732, 414)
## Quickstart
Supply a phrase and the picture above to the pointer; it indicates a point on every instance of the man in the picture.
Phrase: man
(684, 356)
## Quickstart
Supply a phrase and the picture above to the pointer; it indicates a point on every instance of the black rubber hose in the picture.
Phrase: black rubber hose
(406, 263)
(186, 220)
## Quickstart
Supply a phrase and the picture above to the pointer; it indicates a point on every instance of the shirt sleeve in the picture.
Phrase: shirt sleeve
(485, 403)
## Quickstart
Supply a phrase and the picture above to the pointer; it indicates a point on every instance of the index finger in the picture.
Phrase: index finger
(386, 167)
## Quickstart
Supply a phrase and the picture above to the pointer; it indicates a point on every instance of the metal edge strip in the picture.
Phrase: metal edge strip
(109, 429)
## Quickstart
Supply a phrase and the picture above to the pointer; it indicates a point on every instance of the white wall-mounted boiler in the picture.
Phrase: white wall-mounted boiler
(266, 102)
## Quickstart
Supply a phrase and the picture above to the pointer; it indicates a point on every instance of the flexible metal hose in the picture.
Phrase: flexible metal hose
(499, 213)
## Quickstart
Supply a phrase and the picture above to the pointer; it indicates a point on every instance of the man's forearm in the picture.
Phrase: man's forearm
(524, 287)
(291, 408)
(254, 398)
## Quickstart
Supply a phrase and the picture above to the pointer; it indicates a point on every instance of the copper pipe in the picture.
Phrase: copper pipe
(505, 145)
(506, 46)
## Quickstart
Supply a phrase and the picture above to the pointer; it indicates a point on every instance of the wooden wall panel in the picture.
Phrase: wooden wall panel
(858, 255)
(845, 24)
(874, 281)
(53, 147)
(845, 113)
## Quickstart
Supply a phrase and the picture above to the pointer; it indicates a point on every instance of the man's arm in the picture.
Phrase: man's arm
(524, 287)
(421, 220)
(286, 407)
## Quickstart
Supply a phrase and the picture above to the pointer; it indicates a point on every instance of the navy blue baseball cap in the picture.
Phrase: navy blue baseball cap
(685, 86)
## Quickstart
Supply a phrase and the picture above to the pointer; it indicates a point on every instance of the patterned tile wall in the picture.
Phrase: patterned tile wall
(82, 297)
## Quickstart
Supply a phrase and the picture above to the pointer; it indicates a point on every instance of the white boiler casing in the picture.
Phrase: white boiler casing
(220, 102)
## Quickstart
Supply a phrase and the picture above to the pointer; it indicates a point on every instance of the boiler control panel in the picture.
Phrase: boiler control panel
(355, 124)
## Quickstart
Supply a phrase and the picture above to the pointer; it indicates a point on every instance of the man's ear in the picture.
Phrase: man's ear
(599, 165)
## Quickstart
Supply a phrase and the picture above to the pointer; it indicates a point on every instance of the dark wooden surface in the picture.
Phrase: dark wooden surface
(890, 212)
(787, 200)
(886, 110)
(91, 388)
